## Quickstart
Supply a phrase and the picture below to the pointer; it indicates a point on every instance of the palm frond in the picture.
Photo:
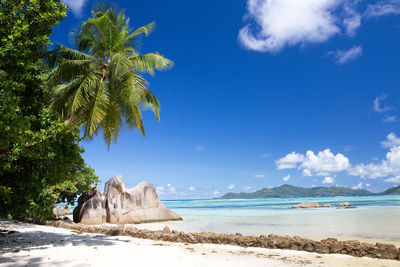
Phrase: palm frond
(150, 62)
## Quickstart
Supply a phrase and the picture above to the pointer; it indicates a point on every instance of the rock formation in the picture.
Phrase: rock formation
(328, 245)
(122, 205)
(61, 211)
(306, 205)
(91, 208)
(345, 205)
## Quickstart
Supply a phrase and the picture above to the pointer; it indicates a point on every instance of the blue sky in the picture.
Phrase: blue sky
(263, 92)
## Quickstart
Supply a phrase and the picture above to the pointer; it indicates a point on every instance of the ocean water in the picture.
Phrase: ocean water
(375, 218)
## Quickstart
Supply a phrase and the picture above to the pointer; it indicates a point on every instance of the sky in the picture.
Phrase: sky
(262, 93)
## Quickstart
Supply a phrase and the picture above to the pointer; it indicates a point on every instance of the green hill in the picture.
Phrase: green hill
(392, 191)
(295, 191)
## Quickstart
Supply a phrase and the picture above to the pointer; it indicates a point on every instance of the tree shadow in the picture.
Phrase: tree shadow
(13, 239)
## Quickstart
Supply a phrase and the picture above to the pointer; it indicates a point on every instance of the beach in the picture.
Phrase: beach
(38, 245)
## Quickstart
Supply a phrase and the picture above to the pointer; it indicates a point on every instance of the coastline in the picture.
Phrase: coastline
(44, 245)
(158, 226)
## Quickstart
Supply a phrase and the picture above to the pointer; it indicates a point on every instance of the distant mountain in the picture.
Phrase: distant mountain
(392, 191)
(295, 191)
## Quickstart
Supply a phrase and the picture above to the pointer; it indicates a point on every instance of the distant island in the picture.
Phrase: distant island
(295, 191)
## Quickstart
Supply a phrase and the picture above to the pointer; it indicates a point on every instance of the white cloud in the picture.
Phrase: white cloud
(231, 186)
(160, 189)
(199, 148)
(359, 186)
(313, 186)
(192, 188)
(377, 104)
(307, 172)
(389, 119)
(259, 175)
(216, 193)
(395, 179)
(286, 178)
(171, 188)
(344, 56)
(289, 161)
(325, 162)
(352, 19)
(387, 167)
(282, 23)
(76, 6)
(352, 24)
(391, 141)
(328, 180)
(322, 164)
(247, 188)
(367, 185)
(382, 8)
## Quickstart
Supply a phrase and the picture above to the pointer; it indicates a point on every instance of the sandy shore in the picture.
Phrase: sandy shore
(36, 245)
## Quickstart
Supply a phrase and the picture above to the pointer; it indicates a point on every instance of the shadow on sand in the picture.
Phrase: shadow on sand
(14, 239)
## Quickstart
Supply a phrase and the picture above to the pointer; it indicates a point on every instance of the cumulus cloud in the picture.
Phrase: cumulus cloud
(247, 188)
(286, 178)
(325, 163)
(344, 56)
(391, 141)
(395, 179)
(328, 180)
(382, 8)
(259, 175)
(281, 23)
(231, 186)
(160, 189)
(321, 164)
(216, 193)
(192, 188)
(75, 6)
(289, 161)
(390, 166)
(359, 186)
(273, 25)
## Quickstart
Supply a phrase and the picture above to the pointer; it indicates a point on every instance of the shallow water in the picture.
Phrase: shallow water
(376, 217)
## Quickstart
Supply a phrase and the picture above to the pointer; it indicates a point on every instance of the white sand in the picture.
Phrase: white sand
(35, 245)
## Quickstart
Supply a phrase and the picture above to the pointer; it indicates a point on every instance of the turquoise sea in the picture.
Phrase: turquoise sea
(376, 217)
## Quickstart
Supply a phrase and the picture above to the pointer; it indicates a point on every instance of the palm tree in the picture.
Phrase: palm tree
(100, 85)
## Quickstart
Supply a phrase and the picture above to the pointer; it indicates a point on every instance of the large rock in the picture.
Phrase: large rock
(306, 205)
(91, 208)
(122, 205)
(344, 204)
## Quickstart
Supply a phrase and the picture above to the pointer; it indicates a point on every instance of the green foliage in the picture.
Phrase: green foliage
(295, 191)
(40, 158)
(99, 85)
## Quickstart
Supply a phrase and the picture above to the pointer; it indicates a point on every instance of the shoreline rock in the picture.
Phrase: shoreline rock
(326, 246)
(306, 205)
(122, 205)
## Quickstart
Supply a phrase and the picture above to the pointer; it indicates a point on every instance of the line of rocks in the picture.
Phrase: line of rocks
(325, 246)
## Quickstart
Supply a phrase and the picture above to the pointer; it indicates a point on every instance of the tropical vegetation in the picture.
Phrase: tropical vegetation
(99, 85)
(40, 158)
